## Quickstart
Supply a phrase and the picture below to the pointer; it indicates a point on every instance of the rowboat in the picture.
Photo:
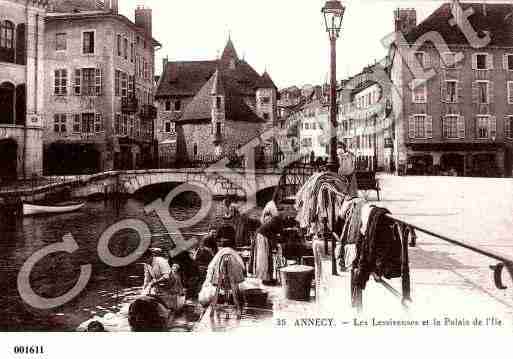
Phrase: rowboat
(30, 209)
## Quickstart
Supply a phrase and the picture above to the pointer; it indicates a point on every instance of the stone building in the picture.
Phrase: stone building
(21, 88)
(365, 118)
(209, 109)
(453, 75)
(99, 88)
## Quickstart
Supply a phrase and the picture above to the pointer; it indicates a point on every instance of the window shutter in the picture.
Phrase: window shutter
(475, 93)
(474, 62)
(489, 58)
(460, 92)
(505, 61)
(78, 78)
(99, 81)
(491, 92)
(443, 88)
(411, 131)
(507, 126)
(445, 127)
(493, 126)
(509, 91)
(461, 127)
(429, 126)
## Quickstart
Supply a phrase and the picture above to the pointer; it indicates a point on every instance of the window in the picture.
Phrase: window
(59, 125)
(7, 35)
(314, 126)
(508, 126)
(307, 126)
(265, 116)
(131, 85)
(132, 52)
(420, 126)
(131, 122)
(451, 94)
(76, 123)
(88, 82)
(306, 142)
(61, 83)
(124, 85)
(178, 104)
(98, 123)
(88, 42)
(265, 100)
(168, 127)
(450, 127)
(449, 60)
(482, 127)
(218, 128)
(146, 73)
(508, 62)
(118, 44)
(60, 42)
(510, 92)
(482, 62)
(483, 94)
(125, 49)
(117, 124)
(419, 91)
(168, 105)
(88, 123)
(218, 103)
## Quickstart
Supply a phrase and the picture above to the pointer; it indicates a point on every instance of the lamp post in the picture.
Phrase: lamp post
(333, 12)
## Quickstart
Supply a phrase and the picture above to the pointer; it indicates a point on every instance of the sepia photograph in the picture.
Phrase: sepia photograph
(254, 167)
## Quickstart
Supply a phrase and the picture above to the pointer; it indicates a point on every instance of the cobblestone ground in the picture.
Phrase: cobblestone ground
(450, 281)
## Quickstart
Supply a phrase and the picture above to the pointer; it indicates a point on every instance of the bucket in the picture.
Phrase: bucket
(297, 282)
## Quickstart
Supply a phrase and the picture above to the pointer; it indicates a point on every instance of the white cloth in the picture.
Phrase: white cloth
(262, 257)
(270, 210)
(366, 211)
(236, 265)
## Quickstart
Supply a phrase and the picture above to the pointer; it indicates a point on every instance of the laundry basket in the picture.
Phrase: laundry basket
(297, 281)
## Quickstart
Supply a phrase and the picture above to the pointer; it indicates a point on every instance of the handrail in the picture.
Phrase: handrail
(489, 254)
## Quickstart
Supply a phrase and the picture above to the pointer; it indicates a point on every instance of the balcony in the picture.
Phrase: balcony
(148, 112)
(129, 104)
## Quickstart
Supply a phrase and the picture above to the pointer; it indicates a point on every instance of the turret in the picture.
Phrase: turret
(144, 19)
(405, 20)
(218, 98)
(266, 100)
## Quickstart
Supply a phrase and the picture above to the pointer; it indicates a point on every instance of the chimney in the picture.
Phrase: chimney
(143, 19)
(405, 20)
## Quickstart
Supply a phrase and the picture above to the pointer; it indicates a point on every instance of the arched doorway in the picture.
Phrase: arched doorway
(420, 165)
(8, 160)
(7, 91)
(453, 162)
(484, 165)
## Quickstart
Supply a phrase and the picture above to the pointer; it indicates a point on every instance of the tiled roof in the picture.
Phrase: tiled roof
(493, 17)
(201, 105)
(265, 82)
(185, 78)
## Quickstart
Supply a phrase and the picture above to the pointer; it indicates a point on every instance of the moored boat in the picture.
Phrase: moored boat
(30, 209)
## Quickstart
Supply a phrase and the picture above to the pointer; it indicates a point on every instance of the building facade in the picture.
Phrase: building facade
(314, 135)
(209, 109)
(454, 98)
(365, 121)
(99, 79)
(21, 88)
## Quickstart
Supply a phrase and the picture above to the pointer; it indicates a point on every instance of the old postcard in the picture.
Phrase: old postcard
(242, 167)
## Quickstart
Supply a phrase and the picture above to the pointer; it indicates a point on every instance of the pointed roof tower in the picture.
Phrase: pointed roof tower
(265, 82)
(229, 53)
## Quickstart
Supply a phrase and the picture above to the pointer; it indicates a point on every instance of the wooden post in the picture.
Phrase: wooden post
(405, 262)
(333, 239)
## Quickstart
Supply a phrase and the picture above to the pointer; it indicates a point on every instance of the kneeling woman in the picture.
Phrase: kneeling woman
(236, 274)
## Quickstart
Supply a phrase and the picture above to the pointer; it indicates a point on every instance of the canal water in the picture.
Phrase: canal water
(109, 288)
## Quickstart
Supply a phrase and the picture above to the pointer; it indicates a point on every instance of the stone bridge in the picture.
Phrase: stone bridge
(220, 183)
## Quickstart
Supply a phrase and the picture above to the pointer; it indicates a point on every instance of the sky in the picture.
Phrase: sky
(285, 37)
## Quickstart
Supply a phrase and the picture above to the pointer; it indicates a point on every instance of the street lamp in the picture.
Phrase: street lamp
(333, 12)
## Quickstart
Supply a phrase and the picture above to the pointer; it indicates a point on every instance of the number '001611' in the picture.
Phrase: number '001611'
(28, 349)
